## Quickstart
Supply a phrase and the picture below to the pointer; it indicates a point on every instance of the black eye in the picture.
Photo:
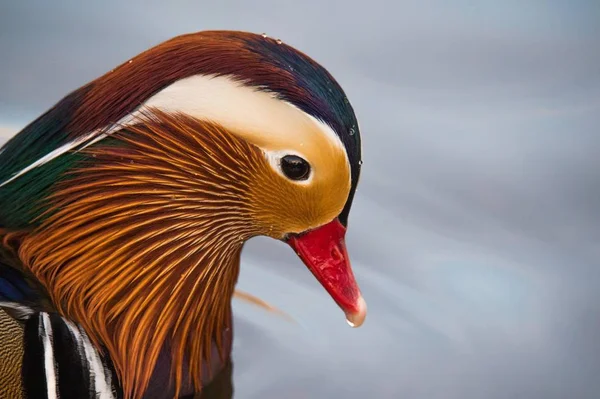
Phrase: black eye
(295, 167)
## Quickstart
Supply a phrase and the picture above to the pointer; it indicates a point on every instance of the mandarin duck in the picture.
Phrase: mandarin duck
(125, 207)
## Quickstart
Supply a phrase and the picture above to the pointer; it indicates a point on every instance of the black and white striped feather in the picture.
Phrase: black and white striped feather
(60, 362)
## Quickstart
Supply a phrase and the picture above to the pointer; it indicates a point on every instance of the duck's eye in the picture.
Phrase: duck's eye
(295, 167)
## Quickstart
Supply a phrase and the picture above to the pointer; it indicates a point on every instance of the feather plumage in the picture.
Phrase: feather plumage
(159, 198)
(124, 224)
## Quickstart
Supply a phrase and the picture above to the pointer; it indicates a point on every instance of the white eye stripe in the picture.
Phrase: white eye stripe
(258, 116)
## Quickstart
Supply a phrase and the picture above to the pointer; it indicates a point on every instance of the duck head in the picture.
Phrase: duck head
(299, 186)
(162, 168)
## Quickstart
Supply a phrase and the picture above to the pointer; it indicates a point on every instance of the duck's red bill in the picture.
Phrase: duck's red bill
(323, 251)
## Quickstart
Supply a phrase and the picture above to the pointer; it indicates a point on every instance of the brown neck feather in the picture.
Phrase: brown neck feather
(142, 243)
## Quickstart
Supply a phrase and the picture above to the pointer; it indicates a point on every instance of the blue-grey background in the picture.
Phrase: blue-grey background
(475, 232)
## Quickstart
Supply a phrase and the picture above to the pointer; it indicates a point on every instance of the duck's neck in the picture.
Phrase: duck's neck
(161, 384)
(141, 245)
(169, 304)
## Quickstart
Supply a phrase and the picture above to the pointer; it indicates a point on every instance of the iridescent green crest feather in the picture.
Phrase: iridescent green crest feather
(21, 201)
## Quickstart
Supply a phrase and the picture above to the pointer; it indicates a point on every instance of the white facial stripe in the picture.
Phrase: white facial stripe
(259, 117)
(47, 158)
